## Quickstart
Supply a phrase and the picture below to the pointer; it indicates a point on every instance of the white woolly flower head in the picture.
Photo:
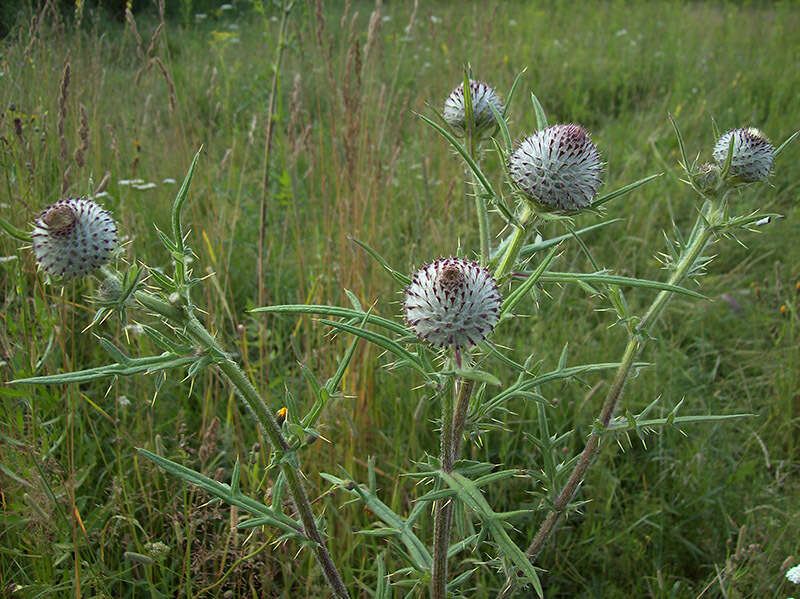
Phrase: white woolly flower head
(483, 96)
(559, 167)
(793, 574)
(73, 237)
(752, 154)
(452, 303)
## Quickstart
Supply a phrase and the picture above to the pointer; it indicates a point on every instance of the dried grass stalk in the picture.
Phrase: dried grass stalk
(63, 95)
(83, 134)
(132, 24)
(170, 83)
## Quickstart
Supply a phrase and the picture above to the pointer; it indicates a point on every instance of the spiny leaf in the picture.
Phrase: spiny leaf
(543, 245)
(396, 275)
(541, 118)
(473, 498)
(148, 365)
(601, 277)
(464, 154)
(335, 311)
(623, 190)
(379, 340)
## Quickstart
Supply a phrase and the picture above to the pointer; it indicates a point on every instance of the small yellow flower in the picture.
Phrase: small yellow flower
(280, 415)
(784, 309)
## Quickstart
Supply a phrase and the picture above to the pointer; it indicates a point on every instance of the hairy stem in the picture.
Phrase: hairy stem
(701, 235)
(453, 419)
(512, 249)
(444, 507)
(460, 415)
(258, 407)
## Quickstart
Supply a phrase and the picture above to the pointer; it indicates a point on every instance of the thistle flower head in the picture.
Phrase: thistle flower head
(752, 154)
(483, 96)
(793, 574)
(559, 167)
(452, 303)
(73, 237)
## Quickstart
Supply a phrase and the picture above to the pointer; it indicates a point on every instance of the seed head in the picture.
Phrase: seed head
(452, 303)
(483, 95)
(752, 157)
(559, 167)
(73, 237)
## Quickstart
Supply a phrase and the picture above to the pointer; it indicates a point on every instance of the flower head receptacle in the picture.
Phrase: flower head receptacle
(483, 96)
(707, 177)
(752, 154)
(73, 237)
(558, 167)
(452, 303)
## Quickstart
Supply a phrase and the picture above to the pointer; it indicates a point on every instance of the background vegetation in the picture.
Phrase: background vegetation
(711, 514)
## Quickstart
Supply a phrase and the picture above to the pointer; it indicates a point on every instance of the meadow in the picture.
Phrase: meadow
(117, 110)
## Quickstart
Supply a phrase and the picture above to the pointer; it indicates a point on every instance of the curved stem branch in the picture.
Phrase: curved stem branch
(258, 407)
(701, 235)
(512, 249)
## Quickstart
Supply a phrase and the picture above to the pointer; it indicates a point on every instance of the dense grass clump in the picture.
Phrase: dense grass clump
(118, 109)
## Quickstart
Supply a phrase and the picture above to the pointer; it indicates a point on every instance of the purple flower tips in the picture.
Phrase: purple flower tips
(558, 167)
(73, 237)
(452, 303)
(752, 154)
(483, 96)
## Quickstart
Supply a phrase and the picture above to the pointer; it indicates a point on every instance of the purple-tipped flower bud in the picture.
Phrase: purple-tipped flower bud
(73, 237)
(752, 154)
(483, 95)
(452, 303)
(558, 167)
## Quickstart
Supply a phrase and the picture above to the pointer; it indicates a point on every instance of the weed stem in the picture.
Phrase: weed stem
(512, 249)
(258, 407)
(453, 419)
(702, 233)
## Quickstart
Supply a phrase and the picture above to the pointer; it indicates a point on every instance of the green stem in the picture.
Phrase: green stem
(698, 241)
(460, 414)
(483, 225)
(512, 249)
(481, 210)
(701, 235)
(453, 419)
(444, 507)
(256, 404)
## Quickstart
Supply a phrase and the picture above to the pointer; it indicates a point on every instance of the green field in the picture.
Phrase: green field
(711, 510)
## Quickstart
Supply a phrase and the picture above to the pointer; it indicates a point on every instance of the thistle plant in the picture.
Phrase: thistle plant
(452, 304)
(74, 238)
(447, 336)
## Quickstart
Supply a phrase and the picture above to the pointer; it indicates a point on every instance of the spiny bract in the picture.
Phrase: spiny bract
(452, 303)
(752, 154)
(559, 167)
(483, 95)
(73, 237)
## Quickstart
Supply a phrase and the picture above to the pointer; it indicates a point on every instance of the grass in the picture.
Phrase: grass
(711, 514)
